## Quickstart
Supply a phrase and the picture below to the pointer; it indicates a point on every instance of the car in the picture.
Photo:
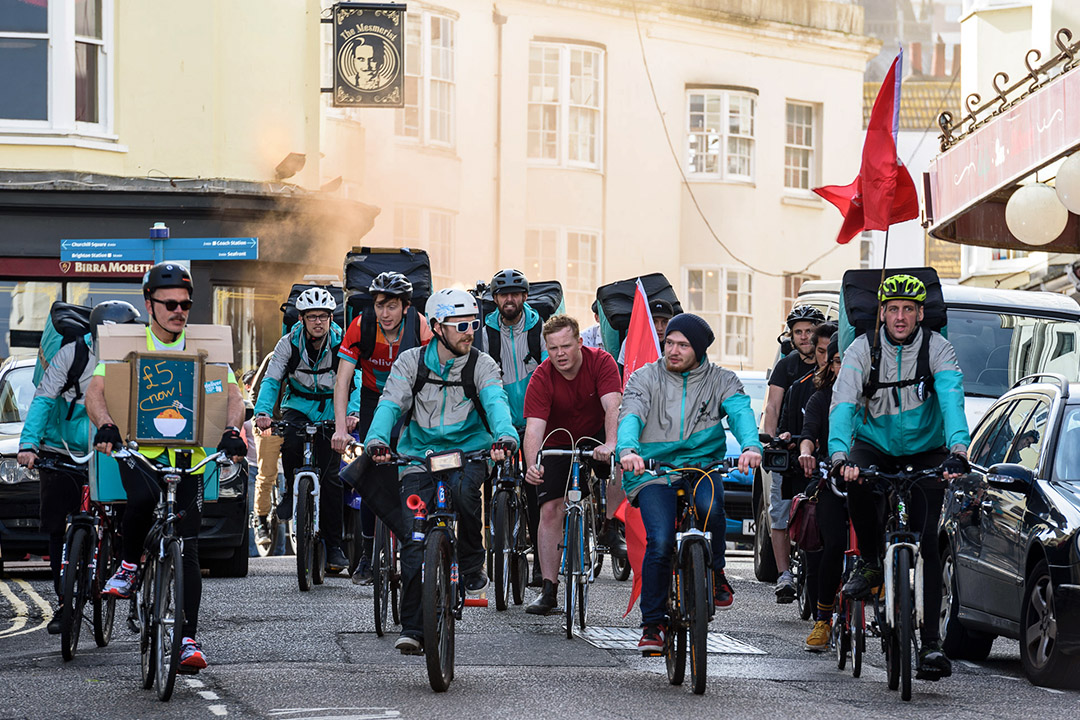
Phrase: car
(20, 526)
(738, 487)
(1009, 533)
(999, 336)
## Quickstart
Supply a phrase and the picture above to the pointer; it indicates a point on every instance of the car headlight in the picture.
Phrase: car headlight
(231, 480)
(11, 472)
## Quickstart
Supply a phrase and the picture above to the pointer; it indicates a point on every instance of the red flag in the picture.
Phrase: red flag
(883, 192)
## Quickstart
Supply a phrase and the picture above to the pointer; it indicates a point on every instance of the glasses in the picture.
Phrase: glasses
(321, 317)
(171, 305)
(464, 325)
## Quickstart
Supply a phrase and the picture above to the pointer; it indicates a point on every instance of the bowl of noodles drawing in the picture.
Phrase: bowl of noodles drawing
(170, 423)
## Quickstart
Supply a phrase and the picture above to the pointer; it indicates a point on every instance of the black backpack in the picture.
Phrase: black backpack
(296, 389)
(545, 297)
(67, 324)
(363, 265)
(467, 383)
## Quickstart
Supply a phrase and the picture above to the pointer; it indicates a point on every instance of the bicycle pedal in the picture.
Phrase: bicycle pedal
(928, 674)
(652, 653)
(187, 670)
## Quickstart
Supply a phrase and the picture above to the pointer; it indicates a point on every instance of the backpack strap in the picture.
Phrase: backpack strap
(494, 344)
(467, 384)
(368, 331)
(535, 351)
(74, 374)
(322, 396)
(924, 378)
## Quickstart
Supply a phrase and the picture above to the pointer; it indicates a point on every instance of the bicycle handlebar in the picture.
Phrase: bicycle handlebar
(401, 460)
(301, 427)
(576, 454)
(725, 464)
(132, 451)
(907, 476)
(55, 464)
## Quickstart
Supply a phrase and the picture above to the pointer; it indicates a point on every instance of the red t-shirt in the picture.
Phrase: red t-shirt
(573, 404)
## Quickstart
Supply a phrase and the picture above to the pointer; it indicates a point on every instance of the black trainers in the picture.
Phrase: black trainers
(335, 559)
(723, 595)
(546, 601)
(933, 664)
(863, 580)
(55, 626)
(475, 582)
(284, 508)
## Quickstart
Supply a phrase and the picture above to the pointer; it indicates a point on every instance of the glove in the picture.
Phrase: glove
(232, 444)
(505, 445)
(378, 452)
(956, 464)
(109, 433)
(837, 469)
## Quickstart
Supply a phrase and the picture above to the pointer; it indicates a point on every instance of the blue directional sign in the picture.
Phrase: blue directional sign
(142, 249)
(127, 249)
(212, 249)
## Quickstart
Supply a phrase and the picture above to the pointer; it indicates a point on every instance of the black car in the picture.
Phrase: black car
(1011, 565)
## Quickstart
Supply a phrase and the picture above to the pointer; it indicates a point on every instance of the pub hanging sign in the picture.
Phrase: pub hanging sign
(369, 55)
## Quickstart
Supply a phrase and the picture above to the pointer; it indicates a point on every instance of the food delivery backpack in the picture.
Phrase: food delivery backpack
(67, 323)
(859, 316)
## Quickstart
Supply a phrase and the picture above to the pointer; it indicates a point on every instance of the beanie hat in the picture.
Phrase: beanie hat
(834, 347)
(695, 328)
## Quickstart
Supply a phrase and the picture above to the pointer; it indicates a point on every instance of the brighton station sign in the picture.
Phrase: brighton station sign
(369, 55)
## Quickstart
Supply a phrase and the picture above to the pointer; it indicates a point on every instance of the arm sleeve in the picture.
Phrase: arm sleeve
(275, 372)
(949, 389)
(396, 399)
(816, 421)
(635, 408)
(354, 397)
(847, 391)
(43, 406)
(493, 399)
(741, 421)
(352, 338)
(607, 375)
(538, 395)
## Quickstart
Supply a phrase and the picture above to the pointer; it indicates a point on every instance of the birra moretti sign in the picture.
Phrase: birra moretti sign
(369, 55)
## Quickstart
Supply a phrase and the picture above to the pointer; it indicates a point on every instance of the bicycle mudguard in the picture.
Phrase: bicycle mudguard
(380, 494)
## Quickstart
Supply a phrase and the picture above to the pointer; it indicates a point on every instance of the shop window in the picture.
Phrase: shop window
(235, 307)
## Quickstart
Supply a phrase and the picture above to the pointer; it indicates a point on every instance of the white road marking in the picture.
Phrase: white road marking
(367, 713)
(219, 710)
(41, 602)
(193, 683)
(208, 695)
(1052, 690)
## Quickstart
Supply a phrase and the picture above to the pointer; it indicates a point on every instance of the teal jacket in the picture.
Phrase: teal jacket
(678, 418)
(898, 423)
(442, 417)
(310, 388)
(47, 426)
(517, 366)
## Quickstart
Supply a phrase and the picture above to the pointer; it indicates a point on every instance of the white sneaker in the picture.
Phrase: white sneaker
(408, 645)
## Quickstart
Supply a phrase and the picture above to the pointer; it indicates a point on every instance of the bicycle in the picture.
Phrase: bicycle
(304, 528)
(690, 603)
(579, 557)
(620, 565)
(386, 577)
(903, 608)
(159, 597)
(508, 537)
(90, 558)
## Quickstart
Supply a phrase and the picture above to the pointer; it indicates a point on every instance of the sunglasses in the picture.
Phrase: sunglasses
(171, 305)
(464, 325)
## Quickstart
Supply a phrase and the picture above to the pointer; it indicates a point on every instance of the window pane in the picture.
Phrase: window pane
(235, 307)
(24, 16)
(92, 293)
(88, 18)
(24, 79)
(440, 247)
(407, 119)
(24, 308)
(581, 272)
(86, 82)
(540, 253)
(407, 227)
(413, 58)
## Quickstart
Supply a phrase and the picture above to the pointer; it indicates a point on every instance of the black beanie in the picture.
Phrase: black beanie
(696, 330)
(834, 347)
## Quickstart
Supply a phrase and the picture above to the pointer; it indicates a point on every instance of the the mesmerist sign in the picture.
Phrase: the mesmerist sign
(369, 55)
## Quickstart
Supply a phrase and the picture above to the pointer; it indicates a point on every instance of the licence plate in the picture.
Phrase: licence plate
(748, 527)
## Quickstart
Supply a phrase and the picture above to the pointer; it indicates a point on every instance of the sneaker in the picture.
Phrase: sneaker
(818, 640)
(862, 581)
(121, 583)
(55, 626)
(652, 639)
(723, 595)
(191, 655)
(408, 645)
(785, 588)
(476, 582)
(284, 508)
(546, 601)
(363, 575)
(933, 663)
(262, 532)
(335, 559)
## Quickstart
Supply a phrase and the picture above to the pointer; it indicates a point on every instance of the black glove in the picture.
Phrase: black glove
(232, 444)
(378, 452)
(109, 433)
(956, 464)
(505, 445)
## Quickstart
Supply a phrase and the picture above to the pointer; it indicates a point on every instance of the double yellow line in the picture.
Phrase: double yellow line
(21, 610)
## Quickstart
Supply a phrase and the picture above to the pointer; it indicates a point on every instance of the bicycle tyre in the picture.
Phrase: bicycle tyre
(318, 568)
(675, 641)
(803, 600)
(395, 578)
(837, 639)
(144, 606)
(438, 611)
(304, 519)
(501, 549)
(904, 624)
(519, 574)
(590, 560)
(356, 538)
(168, 619)
(858, 640)
(380, 574)
(104, 605)
(75, 584)
(697, 615)
(572, 564)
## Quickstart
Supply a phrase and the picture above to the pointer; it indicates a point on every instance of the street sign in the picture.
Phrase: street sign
(106, 250)
(135, 249)
(212, 249)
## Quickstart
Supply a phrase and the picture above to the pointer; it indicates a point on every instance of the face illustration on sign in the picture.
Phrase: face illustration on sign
(368, 62)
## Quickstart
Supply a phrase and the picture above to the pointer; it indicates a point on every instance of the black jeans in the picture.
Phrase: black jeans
(60, 495)
(825, 567)
(866, 503)
(465, 497)
(142, 490)
(331, 493)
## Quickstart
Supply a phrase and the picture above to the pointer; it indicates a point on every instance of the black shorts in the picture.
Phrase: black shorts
(557, 478)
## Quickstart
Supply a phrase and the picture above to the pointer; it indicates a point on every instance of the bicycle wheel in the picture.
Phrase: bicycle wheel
(318, 567)
(572, 565)
(168, 619)
(395, 579)
(696, 580)
(590, 565)
(802, 593)
(438, 611)
(380, 573)
(501, 548)
(841, 634)
(675, 641)
(903, 622)
(304, 519)
(104, 605)
(144, 606)
(858, 640)
(76, 584)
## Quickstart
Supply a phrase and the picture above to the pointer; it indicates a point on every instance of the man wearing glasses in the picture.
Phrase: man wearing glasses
(305, 360)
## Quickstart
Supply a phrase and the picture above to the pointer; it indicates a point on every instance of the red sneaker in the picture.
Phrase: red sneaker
(723, 595)
(652, 638)
(191, 655)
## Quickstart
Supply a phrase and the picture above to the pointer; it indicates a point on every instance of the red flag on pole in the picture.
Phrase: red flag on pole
(642, 348)
(883, 193)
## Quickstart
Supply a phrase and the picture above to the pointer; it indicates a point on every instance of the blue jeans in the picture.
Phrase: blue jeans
(658, 505)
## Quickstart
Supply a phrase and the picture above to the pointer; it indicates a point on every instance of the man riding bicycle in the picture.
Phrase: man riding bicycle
(887, 412)
(450, 397)
(673, 410)
(167, 289)
(305, 360)
(56, 427)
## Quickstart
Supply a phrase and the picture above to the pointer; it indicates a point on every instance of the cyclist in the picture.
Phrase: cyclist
(268, 466)
(591, 336)
(305, 360)
(56, 427)
(661, 312)
(673, 410)
(894, 416)
(574, 394)
(373, 343)
(801, 322)
(167, 290)
(513, 338)
(448, 394)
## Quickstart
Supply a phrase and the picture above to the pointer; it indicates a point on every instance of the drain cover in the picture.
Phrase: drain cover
(624, 638)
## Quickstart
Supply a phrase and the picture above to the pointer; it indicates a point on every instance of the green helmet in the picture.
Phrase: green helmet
(902, 287)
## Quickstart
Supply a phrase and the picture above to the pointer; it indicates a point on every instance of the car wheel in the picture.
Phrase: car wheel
(1040, 653)
(236, 565)
(764, 560)
(957, 641)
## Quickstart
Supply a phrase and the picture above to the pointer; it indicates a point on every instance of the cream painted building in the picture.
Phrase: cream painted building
(533, 138)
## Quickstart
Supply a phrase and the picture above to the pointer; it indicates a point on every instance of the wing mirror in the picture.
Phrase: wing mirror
(1011, 476)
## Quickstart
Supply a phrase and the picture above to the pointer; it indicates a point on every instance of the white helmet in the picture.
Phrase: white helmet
(450, 303)
(316, 298)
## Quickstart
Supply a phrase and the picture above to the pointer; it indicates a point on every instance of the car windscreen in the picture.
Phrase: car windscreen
(997, 349)
(16, 392)
(755, 388)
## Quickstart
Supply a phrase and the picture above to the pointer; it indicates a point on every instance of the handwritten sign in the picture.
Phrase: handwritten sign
(166, 399)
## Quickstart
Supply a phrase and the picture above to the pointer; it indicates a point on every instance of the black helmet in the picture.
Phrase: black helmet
(166, 275)
(112, 312)
(508, 281)
(393, 284)
(804, 313)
